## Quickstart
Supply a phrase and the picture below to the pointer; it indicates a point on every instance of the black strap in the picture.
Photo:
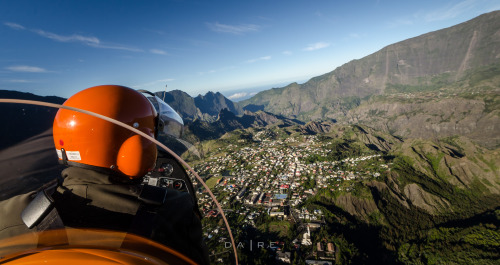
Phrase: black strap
(41, 216)
(153, 195)
(64, 157)
(38, 209)
(152, 198)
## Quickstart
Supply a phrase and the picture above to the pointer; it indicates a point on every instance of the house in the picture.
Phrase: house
(330, 248)
(306, 239)
(319, 262)
(283, 256)
(277, 213)
(319, 246)
(313, 226)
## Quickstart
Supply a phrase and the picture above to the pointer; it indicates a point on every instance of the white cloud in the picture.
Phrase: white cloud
(159, 32)
(451, 11)
(217, 70)
(264, 58)
(13, 25)
(287, 52)
(237, 95)
(90, 41)
(71, 38)
(158, 51)
(26, 69)
(316, 46)
(115, 47)
(232, 29)
(19, 81)
(86, 40)
(208, 72)
(351, 36)
(401, 22)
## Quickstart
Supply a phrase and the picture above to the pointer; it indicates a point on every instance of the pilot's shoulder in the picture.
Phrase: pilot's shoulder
(11, 223)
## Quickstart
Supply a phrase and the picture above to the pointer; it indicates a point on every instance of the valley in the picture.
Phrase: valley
(373, 197)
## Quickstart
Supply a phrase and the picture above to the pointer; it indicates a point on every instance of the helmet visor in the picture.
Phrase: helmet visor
(169, 123)
(170, 127)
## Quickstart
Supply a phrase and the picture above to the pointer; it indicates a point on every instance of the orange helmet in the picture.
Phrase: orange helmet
(87, 141)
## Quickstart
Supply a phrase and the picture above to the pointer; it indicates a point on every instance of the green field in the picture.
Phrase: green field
(211, 182)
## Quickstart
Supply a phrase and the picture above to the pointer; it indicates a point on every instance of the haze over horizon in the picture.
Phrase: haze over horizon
(235, 48)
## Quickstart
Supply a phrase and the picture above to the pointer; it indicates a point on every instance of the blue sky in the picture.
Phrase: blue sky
(61, 47)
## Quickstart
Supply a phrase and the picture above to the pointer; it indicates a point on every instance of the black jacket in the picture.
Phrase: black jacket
(89, 199)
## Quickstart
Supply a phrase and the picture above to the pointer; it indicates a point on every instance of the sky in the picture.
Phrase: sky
(233, 47)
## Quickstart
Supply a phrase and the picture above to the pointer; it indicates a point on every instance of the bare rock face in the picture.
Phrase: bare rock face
(424, 200)
(434, 118)
(393, 188)
(433, 176)
(317, 127)
(438, 84)
(375, 140)
(264, 118)
(213, 103)
(205, 107)
(355, 206)
(460, 163)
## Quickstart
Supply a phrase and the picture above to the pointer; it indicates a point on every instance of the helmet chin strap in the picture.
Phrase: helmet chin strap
(64, 157)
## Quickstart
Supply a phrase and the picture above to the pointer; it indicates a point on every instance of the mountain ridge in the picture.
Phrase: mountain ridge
(205, 107)
(448, 66)
(29, 120)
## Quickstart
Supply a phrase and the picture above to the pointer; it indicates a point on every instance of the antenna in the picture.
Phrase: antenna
(164, 93)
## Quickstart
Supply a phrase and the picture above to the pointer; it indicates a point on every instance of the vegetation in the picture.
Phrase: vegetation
(373, 219)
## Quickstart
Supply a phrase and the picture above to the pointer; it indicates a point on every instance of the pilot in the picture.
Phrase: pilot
(101, 187)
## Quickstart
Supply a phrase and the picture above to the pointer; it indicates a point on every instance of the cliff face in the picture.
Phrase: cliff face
(227, 121)
(441, 177)
(205, 107)
(438, 84)
(430, 117)
(212, 103)
(181, 102)
(451, 177)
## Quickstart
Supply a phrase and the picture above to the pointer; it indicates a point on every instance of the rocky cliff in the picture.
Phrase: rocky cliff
(438, 84)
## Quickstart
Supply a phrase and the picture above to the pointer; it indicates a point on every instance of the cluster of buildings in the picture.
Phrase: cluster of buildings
(273, 178)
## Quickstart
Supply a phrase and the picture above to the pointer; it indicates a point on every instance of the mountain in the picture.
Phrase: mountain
(439, 84)
(205, 107)
(28, 120)
(227, 121)
(181, 102)
(31, 120)
(415, 201)
(212, 103)
(438, 202)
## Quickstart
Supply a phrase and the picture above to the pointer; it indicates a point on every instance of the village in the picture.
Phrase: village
(271, 180)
